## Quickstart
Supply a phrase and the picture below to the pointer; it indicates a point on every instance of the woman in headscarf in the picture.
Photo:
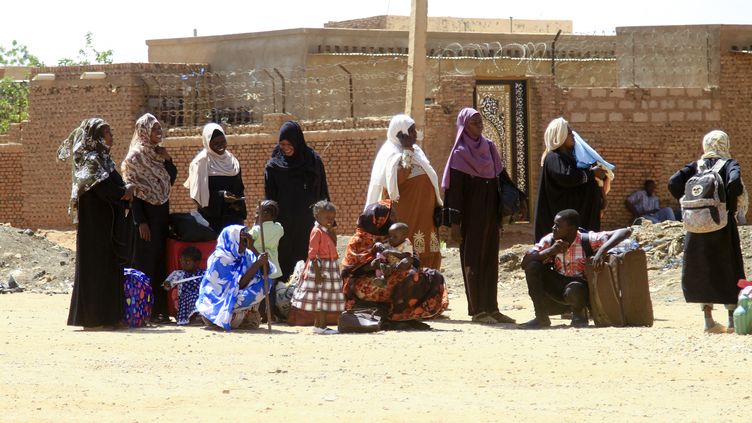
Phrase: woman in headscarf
(565, 186)
(149, 168)
(402, 173)
(471, 182)
(712, 263)
(233, 285)
(404, 297)
(215, 181)
(294, 177)
(98, 201)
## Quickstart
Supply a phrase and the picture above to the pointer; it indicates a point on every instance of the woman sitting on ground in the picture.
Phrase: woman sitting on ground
(407, 294)
(233, 285)
(215, 181)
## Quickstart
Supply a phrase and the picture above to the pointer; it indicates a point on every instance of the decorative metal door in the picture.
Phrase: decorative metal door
(503, 106)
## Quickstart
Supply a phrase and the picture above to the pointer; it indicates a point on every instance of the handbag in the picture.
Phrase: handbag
(510, 197)
(359, 320)
(185, 227)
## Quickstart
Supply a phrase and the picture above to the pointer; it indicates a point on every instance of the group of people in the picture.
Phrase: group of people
(392, 262)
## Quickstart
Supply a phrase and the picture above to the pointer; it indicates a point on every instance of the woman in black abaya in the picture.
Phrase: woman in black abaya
(98, 201)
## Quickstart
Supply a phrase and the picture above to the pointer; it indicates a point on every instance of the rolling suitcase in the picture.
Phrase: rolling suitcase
(619, 292)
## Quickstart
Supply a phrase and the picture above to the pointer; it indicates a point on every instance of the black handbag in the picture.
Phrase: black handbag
(359, 320)
(184, 227)
(510, 197)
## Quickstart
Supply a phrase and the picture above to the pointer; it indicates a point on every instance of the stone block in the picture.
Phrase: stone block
(617, 93)
(640, 117)
(615, 117)
(684, 104)
(702, 104)
(694, 92)
(676, 91)
(626, 104)
(606, 105)
(597, 117)
(658, 117)
(658, 92)
(694, 116)
(598, 92)
(579, 92)
(676, 116)
(578, 117)
(714, 115)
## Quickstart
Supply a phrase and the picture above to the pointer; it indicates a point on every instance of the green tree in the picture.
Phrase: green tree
(88, 55)
(14, 95)
(18, 55)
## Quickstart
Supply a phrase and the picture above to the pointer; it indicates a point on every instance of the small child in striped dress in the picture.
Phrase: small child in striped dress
(320, 289)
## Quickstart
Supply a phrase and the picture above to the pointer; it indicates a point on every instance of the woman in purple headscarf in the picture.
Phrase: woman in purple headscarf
(471, 179)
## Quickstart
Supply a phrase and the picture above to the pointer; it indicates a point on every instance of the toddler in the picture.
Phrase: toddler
(266, 214)
(188, 280)
(320, 289)
(398, 251)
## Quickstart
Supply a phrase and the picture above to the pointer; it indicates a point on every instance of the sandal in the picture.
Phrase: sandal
(484, 318)
(502, 318)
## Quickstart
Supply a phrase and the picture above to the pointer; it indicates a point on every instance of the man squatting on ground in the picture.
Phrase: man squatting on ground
(555, 269)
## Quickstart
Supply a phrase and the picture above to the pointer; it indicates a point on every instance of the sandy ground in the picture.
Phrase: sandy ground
(459, 371)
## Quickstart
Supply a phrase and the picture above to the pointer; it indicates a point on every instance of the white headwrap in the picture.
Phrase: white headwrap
(390, 156)
(208, 163)
(555, 135)
(716, 145)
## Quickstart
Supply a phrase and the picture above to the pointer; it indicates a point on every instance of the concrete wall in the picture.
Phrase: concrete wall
(450, 24)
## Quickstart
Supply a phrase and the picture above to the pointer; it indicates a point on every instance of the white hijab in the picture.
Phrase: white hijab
(555, 135)
(716, 145)
(390, 156)
(208, 163)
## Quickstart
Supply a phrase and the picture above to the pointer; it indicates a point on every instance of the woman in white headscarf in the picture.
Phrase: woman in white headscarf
(712, 263)
(403, 174)
(215, 181)
(563, 185)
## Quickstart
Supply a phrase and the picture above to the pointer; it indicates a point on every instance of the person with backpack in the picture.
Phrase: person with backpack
(555, 269)
(712, 196)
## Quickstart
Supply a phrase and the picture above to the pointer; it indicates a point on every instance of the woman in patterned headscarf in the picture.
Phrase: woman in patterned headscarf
(712, 263)
(98, 201)
(407, 295)
(149, 168)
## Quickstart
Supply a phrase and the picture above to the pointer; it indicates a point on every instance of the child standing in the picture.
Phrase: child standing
(320, 290)
(188, 280)
(266, 214)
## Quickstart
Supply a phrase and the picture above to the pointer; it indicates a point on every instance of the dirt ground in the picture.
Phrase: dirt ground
(459, 371)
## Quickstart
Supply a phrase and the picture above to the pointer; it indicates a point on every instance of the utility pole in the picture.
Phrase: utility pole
(416, 65)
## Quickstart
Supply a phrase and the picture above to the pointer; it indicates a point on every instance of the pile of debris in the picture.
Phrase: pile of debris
(30, 262)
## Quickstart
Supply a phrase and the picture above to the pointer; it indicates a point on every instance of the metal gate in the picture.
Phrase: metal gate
(503, 106)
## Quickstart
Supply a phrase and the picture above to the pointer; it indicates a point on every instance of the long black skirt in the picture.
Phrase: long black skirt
(712, 266)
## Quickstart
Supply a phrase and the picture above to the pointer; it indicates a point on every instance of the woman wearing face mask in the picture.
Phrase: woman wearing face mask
(295, 178)
(98, 201)
(216, 183)
(149, 167)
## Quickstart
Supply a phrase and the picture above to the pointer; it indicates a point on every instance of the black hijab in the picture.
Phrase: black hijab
(303, 158)
(376, 218)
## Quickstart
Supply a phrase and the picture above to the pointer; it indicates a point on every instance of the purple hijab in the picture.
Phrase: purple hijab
(476, 157)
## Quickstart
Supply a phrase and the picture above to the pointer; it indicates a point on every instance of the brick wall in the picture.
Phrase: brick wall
(11, 171)
(347, 155)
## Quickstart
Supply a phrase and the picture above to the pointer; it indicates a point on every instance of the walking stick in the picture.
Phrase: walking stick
(265, 273)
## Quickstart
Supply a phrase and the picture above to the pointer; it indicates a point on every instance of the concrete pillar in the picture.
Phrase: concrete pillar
(416, 65)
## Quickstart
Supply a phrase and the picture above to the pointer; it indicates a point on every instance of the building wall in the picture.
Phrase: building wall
(449, 24)
(11, 174)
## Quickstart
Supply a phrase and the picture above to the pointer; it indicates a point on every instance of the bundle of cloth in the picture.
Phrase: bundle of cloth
(588, 158)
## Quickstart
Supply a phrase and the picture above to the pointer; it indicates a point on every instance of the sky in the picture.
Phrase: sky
(56, 29)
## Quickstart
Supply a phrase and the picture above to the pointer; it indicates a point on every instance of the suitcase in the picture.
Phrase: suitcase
(619, 292)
